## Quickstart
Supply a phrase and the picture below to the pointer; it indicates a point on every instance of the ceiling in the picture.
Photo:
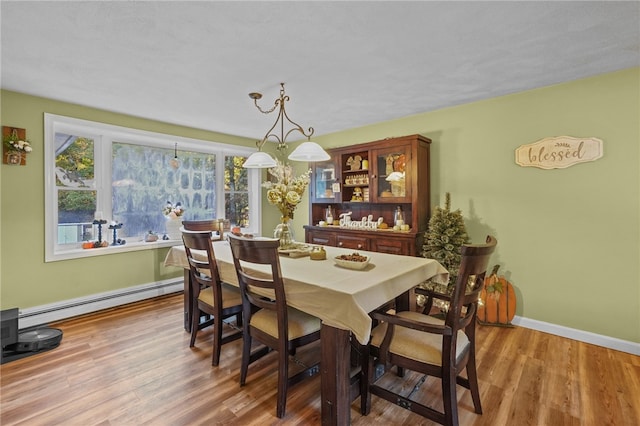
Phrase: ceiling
(345, 64)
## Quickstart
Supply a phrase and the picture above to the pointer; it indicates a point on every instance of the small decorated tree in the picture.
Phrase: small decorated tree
(444, 237)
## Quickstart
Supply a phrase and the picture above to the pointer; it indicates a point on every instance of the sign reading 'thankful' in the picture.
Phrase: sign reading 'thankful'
(559, 152)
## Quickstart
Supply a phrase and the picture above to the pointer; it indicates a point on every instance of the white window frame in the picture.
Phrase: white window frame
(104, 135)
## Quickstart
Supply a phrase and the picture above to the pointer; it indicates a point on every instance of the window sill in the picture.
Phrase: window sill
(80, 253)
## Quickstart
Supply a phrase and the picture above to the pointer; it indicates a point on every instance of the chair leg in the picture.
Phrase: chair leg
(450, 399)
(217, 338)
(283, 375)
(472, 377)
(246, 355)
(195, 317)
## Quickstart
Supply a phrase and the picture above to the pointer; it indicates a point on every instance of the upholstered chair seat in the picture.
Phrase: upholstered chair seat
(299, 323)
(230, 296)
(417, 345)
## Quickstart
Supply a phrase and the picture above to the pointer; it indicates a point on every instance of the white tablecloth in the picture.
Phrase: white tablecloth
(341, 298)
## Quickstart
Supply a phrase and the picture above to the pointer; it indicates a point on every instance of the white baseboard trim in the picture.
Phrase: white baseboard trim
(579, 335)
(44, 314)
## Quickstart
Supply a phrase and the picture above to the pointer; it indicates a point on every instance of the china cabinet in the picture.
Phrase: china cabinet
(372, 182)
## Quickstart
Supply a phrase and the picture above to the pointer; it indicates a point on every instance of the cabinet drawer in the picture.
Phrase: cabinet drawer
(356, 243)
(390, 246)
(322, 238)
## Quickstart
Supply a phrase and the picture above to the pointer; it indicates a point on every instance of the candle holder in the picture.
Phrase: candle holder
(99, 222)
(115, 227)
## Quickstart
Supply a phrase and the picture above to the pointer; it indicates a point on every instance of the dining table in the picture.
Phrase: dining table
(341, 298)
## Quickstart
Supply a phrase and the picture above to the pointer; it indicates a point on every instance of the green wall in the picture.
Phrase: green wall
(568, 239)
(25, 279)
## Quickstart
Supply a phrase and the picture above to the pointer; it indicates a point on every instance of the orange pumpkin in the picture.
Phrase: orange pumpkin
(497, 301)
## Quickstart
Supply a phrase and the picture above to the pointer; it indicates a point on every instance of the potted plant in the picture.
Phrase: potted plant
(444, 237)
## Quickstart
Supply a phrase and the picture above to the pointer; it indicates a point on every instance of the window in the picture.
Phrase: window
(74, 185)
(98, 172)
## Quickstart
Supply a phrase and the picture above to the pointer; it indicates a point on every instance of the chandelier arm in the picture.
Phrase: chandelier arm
(281, 119)
(273, 136)
(297, 126)
(269, 134)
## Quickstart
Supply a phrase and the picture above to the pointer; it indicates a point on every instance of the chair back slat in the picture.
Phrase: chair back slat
(249, 257)
(260, 301)
(201, 241)
(469, 283)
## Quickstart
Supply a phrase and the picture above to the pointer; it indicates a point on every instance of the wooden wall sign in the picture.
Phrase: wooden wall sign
(559, 152)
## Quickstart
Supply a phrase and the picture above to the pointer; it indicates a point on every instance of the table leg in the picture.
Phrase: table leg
(403, 302)
(335, 369)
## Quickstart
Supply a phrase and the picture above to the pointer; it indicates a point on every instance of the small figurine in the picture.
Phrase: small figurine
(357, 194)
(389, 167)
(354, 162)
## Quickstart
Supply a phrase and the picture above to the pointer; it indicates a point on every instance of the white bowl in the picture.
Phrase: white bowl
(349, 264)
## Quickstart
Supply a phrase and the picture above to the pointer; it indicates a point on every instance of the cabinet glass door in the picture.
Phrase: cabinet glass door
(392, 174)
(324, 176)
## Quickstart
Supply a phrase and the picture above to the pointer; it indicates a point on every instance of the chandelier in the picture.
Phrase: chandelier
(306, 151)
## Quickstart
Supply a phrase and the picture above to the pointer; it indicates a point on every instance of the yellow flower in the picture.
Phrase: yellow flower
(273, 196)
(285, 190)
(293, 198)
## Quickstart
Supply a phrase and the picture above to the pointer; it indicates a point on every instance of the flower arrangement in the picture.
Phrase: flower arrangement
(13, 143)
(285, 190)
(171, 211)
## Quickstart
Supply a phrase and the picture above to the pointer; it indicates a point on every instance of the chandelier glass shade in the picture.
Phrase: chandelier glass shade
(306, 151)
(259, 160)
(309, 151)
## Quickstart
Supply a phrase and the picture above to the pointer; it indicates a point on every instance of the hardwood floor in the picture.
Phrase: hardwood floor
(133, 366)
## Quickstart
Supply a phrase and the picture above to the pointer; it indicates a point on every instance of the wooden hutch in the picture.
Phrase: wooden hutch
(374, 179)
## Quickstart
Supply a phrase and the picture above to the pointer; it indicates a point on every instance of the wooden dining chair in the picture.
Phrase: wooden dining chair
(211, 225)
(432, 346)
(267, 318)
(209, 296)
